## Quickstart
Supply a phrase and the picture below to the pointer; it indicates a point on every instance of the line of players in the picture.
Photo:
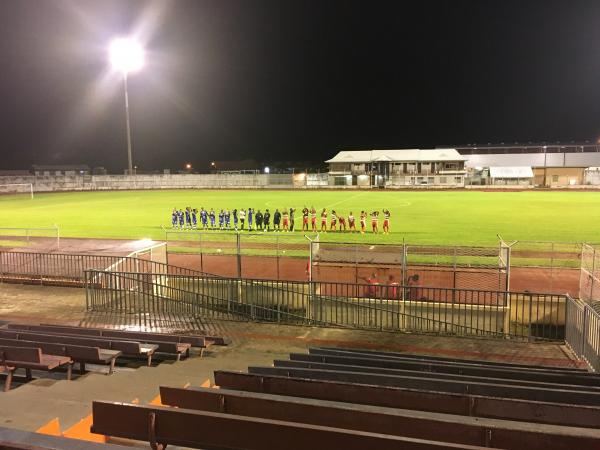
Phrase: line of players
(283, 220)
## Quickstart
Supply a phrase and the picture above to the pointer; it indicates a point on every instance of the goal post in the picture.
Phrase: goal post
(17, 188)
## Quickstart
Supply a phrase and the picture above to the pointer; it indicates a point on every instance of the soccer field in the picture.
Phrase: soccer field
(440, 217)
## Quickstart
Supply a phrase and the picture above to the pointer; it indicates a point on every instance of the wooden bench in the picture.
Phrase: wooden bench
(166, 343)
(375, 419)
(127, 348)
(195, 340)
(162, 426)
(33, 359)
(78, 353)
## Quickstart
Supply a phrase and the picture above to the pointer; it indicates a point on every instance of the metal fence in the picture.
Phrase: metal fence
(248, 254)
(53, 268)
(589, 281)
(442, 266)
(582, 332)
(363, 306)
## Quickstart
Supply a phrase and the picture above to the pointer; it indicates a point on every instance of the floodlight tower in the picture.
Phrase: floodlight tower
(126, 55)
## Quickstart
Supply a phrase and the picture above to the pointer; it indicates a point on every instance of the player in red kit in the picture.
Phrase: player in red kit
(324, 220)
(313, 219)
(386, 221)
(305, 219)
(375, 221)
(363, 222)
(351, 222)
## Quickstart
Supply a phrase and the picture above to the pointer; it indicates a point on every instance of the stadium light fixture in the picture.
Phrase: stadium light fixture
(126, 55)
(267, 170)
(188, 166)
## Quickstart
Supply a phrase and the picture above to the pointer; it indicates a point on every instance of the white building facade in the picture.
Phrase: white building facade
(443, 167)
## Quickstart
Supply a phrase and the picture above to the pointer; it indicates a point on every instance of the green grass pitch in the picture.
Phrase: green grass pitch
(440, 217)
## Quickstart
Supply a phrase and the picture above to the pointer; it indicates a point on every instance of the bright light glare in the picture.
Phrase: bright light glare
(267, 170)
(126, 55)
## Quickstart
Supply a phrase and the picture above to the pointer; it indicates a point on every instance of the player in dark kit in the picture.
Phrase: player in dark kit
(227, 219)
(259, 220)
(174, 218)
(181, 218)
(305, 219)
(266, 220)
(276, 220)
(292, 212)
(221, 219)
(235, 218)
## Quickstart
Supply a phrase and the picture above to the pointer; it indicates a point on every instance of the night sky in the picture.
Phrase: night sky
(292, 80)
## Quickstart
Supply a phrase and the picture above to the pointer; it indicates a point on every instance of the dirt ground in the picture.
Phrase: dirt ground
(532, 279)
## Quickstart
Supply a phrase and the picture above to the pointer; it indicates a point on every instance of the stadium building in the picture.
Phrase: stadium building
(552, 165)
(389, 168)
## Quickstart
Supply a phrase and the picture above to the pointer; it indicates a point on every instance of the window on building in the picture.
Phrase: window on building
(555, 178)
(443, 180)
(458, 179)
(430, 180)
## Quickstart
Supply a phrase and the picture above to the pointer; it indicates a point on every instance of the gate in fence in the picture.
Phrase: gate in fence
(589, 281)
(457, 267)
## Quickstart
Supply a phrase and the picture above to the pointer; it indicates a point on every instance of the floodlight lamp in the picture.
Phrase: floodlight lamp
(267, 170)
(126, 55)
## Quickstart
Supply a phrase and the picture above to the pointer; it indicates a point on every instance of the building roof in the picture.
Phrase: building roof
(511, 172)
(402, 155)
(66, 167)
(534, 160)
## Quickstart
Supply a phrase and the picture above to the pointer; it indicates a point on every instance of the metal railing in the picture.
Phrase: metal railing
(525, 316)
(54, 268)
(582, 332)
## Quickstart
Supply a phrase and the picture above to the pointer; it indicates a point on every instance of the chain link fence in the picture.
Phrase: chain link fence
(418, 265)
(589, 280)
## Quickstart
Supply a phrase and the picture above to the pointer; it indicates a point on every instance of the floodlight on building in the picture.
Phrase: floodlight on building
(188, 166)
(267, 170)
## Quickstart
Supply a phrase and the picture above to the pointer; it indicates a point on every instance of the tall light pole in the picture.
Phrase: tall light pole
(126, 55)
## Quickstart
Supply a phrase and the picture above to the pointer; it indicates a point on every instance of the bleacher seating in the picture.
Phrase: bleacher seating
(332, 398)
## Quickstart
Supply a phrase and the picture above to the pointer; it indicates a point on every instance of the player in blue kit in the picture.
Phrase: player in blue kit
(174, 218)
(212, 218)
(194, 218)
(221, 219)
(188, 218)
(235, 218)
(250, 217)
(203, 217)
(180, 215)
(227, 218)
